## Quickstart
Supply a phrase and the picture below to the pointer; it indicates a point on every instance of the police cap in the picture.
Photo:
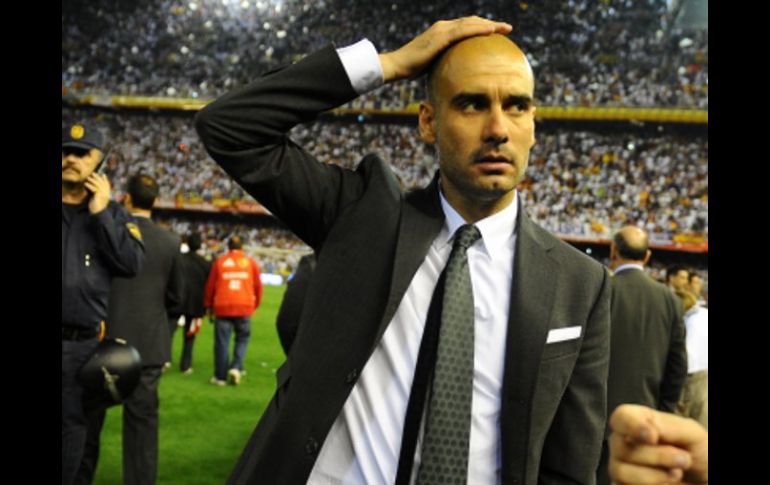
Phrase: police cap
(82, 135)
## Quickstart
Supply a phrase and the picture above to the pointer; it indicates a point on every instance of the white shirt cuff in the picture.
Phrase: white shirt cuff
(362, 65)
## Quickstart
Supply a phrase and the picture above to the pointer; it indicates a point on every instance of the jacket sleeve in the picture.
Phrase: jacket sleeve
(208, 294)
(675, 372)
(119, 240)
(578, 427)
(175, 290)
(245, 132)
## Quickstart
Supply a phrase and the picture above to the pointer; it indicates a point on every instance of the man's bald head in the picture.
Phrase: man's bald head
(485, 52)
(631, 243)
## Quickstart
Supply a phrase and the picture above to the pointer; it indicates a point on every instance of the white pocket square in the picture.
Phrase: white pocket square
(562, 334)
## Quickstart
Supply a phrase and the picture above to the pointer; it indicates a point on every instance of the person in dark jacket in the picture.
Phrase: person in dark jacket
(138, 314)
(99, 241)
(540, 312)
(648, 360)
(195, 269)
(287, 321)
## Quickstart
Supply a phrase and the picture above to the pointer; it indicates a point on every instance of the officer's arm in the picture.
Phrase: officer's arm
(119, 239)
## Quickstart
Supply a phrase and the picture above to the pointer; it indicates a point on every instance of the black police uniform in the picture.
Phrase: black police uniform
(94, 249)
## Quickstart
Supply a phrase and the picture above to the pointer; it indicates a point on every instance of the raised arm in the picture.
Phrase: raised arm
(245, 130)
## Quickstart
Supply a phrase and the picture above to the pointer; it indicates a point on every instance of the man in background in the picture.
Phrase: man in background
(677, 278)
(233, 293)
(287, 320)
(196, 271)
(648, 362)
(138, 313)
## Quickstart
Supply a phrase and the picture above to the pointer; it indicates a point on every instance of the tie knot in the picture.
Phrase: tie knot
(465, 236)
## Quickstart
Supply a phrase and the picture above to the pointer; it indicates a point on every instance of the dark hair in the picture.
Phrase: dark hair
(143, 190)
(673, 270)
(692, 275)
(626, 250)
(235, 242)
(194, 241)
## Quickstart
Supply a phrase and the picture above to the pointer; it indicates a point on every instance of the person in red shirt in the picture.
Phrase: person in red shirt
(233, 293)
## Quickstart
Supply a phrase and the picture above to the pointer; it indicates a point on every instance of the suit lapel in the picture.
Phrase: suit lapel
(532, 296)
(421, 221)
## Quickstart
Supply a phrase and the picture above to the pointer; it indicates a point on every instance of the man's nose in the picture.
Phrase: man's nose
(495, 129)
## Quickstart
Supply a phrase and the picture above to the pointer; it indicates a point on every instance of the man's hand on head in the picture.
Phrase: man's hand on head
(413, 57)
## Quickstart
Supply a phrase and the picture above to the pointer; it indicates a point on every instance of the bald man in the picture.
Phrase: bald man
(355, 392)
(648, 360)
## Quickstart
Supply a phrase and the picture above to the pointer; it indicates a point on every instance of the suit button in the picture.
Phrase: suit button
(311, 446)
(351, 377)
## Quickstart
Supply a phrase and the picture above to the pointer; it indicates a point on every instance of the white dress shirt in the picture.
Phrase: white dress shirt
(696, 321)
(364, 442)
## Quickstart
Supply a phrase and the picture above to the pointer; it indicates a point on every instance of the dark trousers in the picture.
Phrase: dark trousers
(187, 346)
(188, 342)
(140, 434)
(172, 325)
(73, 420)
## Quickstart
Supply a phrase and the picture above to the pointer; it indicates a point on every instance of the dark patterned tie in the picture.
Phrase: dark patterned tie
(448, 421)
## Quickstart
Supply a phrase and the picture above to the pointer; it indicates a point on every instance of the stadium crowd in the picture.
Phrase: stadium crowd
(584, 52)
(580, 183)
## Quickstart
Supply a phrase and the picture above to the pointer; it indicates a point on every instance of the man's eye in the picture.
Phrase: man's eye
(471, 105)
(519, 106)
(78, 152)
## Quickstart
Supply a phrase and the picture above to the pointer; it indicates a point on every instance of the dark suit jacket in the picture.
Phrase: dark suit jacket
(287, 321)
(138, 306)
(648, 358)
(369, 239)
(195, 272)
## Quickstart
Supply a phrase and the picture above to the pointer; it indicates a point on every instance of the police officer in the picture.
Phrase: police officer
(99, 240)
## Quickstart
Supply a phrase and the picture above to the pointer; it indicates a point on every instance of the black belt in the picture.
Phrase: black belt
(78, 333)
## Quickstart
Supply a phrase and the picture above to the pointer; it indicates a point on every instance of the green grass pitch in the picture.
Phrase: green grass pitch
(203, 428)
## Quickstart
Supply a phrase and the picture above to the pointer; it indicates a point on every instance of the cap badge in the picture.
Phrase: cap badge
(77, 132)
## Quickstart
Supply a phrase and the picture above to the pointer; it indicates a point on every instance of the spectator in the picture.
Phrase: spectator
(233, 292)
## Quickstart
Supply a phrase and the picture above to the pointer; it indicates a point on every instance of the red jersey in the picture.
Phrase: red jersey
(234, 286)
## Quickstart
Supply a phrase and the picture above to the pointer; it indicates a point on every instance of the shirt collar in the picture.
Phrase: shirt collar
(496, 230)
(626, 266)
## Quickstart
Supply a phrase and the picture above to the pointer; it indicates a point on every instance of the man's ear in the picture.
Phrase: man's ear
(427, 125)
(534, 131)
